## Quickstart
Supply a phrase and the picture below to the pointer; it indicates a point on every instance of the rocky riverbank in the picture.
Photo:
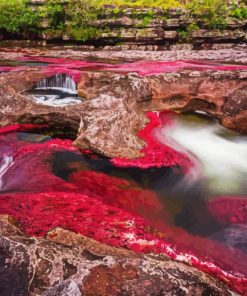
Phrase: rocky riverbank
(113, 103)
(65, 263)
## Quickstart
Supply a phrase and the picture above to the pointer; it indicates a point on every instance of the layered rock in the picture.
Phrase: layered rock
(138, 27)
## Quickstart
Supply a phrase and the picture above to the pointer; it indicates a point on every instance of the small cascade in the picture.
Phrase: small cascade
(58, 81)
(59, 90)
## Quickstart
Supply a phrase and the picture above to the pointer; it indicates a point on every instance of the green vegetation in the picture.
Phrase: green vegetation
(212, 13)
(16, 16)
(80, 14)
(239, 12)
(164, 4)
(75, 17)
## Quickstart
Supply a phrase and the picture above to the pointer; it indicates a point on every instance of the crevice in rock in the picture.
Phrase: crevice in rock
(62, 128)
(200, 104)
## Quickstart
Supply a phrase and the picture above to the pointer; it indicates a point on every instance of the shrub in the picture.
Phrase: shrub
(80, 14)
(239, 13)
(16, 15)
(212, 13)
(54, 12)
(75, 17)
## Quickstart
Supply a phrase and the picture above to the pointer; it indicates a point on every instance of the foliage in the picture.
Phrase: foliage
(239, 13)
(53, 11)
(80, 14)
(213, 13)
(16, 15)
(183, 34)
(164, 4)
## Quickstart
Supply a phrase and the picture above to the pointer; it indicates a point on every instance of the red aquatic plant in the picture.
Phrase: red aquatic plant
(113, 210)
(155, 153)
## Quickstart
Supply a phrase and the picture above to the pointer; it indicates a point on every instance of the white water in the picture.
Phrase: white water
(5, 164)
(63, 84)
(222, 160)
(55, 100)
(60, 82)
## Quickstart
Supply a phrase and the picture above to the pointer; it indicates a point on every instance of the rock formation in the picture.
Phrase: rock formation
(113, 108)
(114, 120)
(65, 263)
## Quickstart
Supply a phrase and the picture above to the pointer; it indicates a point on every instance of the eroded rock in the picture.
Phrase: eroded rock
(113, 113)
(59, 265)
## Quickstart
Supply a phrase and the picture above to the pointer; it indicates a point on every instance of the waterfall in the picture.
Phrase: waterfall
(59, 90)
(59, 81)
(5, 165)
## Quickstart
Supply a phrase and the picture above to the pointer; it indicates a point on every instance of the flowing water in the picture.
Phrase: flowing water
(222, 153)
(201, 211)
(56, 91)
(58, 81)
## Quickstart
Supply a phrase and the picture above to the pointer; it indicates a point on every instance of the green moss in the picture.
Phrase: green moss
(145, 3)
(183, 34)
(116, 11)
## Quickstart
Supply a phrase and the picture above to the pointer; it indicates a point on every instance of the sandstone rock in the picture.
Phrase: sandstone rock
(176, 12)
(136, 34)
(184, 47)
(126, 21)
(171, 35)
(218, 35)
(171, 23)
(233, 23)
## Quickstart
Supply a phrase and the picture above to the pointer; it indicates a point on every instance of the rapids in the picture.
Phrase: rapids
(221, 153)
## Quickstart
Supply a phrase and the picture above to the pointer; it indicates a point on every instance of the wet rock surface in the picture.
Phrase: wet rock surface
(228, 52)
(65, 263)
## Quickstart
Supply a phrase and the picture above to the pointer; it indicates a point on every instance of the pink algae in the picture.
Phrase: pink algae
(155, 153)
(19, 127)
(142, 68)
(74, 67)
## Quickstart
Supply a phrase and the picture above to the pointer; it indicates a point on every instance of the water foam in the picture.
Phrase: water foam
(223, 160)
(6, 163)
